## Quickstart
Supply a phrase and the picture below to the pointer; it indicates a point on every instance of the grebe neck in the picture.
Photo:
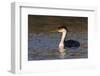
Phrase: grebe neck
(61, 44)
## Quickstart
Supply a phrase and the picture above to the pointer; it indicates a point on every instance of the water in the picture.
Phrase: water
(44, 46)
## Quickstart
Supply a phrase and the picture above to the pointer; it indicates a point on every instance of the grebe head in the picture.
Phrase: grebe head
(62, 29)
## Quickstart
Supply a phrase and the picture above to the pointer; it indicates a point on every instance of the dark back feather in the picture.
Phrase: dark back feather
(71, 44)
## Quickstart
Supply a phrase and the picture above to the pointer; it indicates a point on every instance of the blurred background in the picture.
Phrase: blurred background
(40, 23)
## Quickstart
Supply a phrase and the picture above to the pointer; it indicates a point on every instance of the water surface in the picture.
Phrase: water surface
(44, 46)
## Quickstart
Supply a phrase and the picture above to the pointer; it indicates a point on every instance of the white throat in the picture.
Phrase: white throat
(61, 44)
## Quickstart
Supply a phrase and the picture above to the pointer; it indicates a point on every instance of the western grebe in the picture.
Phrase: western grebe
(63, 45)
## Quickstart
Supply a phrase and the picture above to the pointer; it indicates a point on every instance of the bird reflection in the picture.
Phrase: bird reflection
(62, 55)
